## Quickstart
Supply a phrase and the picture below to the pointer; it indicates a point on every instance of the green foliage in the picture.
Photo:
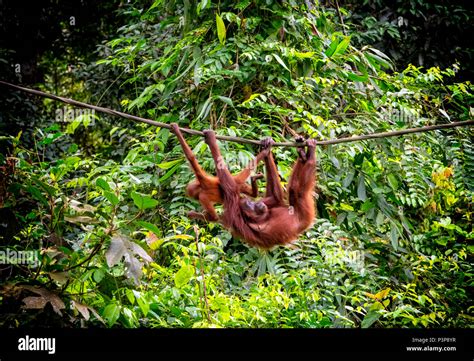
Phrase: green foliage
(389, 247)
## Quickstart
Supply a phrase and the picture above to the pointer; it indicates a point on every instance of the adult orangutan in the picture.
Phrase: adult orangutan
(273, 220)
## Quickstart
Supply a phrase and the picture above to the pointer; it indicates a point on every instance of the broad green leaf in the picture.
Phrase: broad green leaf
(72, 126)
(111, 313)
(100, 182)
(144, 306)
(143, 201)
(346, 207)
(262, 266)
(154, 244)
(155, 4)
(98, 275)
(340, 218)
(183, 276)
(131, 156)
(332, 48)
(142, 303)
(221, 31)
(356, 77)
(370, 318)
(392, 181)
(130, 317)
(359, 158)
(379, 219)
(270, 266)
(226, 100)
(367, 206)
(149, 226)
(197, 74)
(131, 296)
(72, 161)
(111, 197)
(442, 241)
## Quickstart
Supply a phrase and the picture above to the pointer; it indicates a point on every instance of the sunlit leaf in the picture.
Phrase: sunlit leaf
(183, 276)
(392, 180)
(221, 31)
(332, 48)
(279, 60)
(342, 46)
(111, 313)
(168, 165)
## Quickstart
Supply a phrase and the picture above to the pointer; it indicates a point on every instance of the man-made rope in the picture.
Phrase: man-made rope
(395, 133)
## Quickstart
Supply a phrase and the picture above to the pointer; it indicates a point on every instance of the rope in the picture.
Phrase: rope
(116, 113)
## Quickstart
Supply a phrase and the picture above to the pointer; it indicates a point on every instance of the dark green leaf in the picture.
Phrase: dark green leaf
(149, 226)
(111, 197)
(100, 182)
(370, 318)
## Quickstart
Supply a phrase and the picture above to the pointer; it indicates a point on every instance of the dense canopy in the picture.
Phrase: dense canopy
(98, 203)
